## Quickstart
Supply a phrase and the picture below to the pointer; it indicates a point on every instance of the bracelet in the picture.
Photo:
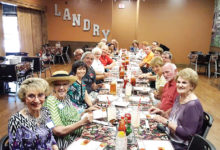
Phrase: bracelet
(167, 123)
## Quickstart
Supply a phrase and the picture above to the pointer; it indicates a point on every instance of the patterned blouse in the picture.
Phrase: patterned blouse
(63, 113)
(26, 133)
(160, 81)
(76, 93)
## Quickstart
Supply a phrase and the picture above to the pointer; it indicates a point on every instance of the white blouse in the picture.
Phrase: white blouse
(98, 66)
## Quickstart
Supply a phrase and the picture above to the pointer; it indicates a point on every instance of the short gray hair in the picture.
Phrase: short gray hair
(77, 50)
(85, 54)
(168, 53)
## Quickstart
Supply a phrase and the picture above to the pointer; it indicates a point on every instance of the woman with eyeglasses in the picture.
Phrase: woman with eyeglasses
(31, 128)
(67, 121)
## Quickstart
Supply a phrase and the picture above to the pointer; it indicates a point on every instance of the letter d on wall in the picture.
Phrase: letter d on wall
(86, 26)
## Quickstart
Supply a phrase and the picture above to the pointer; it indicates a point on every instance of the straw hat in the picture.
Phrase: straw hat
(61, 76)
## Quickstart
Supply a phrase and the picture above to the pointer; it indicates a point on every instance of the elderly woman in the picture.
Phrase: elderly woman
(135, 46)
(90, 77)
(105, 59)
(116, 44)
(186, 116)
(141, 54)
(97, 65)
(31, 128)
(77, 91)
(156, 64)
(67, 121)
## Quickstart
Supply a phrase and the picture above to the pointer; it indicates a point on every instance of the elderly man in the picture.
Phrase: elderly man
(167, 57)
(169, 91)
(90, 76)
(78, 54)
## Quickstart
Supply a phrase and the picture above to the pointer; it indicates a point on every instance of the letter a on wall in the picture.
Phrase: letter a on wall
(66, 15)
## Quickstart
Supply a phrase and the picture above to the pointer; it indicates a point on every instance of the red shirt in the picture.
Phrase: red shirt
(169, 95)
(105, 60)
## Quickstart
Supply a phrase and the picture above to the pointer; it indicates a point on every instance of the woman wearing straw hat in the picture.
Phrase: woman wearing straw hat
(67, 121)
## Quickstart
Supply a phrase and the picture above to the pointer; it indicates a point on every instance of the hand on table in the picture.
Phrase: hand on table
(94, 107)
(87, 118)
(160, 119)
(154, 110)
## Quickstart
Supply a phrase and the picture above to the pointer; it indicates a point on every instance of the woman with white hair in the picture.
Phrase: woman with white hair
(97, 65)
(105, 59)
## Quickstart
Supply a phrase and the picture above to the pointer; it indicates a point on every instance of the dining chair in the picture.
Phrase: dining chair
(4, 145)
(200, 143)
(207, 124)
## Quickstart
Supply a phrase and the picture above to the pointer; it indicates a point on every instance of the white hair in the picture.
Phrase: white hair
(85, 54)
(173, 66)
(104, 46)
(104, 40)
(77, 50)
(96, 50)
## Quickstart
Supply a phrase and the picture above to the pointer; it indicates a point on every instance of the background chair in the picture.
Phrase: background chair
(60, 55)
(44, 67)
(207, 124)
(11, 75)
(203, 61)
(4, 145)
(66, 54)
(193, 55)
(217, 66)
(2, 58)
(200, 143)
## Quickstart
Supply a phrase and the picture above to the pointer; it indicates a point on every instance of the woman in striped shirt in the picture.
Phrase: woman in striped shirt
(67, 121)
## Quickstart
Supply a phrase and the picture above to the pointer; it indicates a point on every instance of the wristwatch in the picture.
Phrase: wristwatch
(167, 123)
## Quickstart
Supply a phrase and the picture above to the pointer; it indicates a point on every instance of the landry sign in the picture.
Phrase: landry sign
(76, 22)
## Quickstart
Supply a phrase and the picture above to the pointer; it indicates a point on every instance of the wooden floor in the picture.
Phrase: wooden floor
(207, 92)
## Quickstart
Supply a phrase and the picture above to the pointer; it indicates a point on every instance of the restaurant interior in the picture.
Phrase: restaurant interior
(189, 29)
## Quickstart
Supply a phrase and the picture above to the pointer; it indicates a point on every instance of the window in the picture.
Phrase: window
(10, 29)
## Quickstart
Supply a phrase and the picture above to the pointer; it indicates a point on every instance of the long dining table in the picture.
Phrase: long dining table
(146, 136)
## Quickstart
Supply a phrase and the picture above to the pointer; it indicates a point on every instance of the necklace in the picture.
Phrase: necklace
(39, 120)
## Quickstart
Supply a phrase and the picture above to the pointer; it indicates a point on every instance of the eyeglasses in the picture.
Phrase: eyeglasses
(33, 96)
(98, 54)
(59, 85)
(79, 54)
